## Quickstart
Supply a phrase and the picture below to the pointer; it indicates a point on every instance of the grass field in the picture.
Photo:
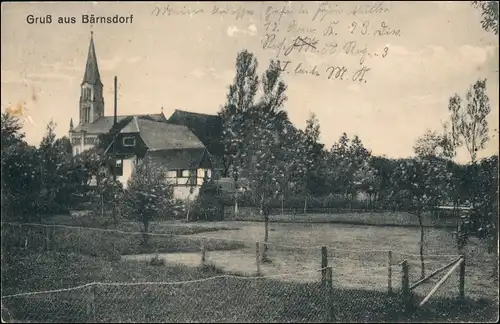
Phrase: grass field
(215, 300)
(357, 253)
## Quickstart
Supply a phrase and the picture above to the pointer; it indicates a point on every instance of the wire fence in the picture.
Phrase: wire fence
(216, 299)
(366, 216)
(262, 281)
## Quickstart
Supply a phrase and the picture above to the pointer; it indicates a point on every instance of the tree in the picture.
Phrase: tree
(21, 182)
(470, 128)
(347, 157)
(148, 194)
(267, 169)
(54, 168)
(489, 13)
(469, 124)
(207, 205)
(311, 156)
(292, 181)
(234, 113)
(11, 130)
(433, 144)
(64, 145)
(383, 168)
(418, 187)
(338, 163)
(487, 205)
(357, 163)
(366, 180)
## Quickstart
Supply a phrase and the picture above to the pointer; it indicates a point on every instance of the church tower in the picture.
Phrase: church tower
(91, 97)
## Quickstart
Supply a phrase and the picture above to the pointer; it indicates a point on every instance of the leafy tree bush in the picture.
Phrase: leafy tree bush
(208, 205)
(21, 183)
(148, 195)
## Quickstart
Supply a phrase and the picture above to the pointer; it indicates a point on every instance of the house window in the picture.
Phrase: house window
(129, 141)
(205, 174)
(77, 151)
(89, 140)
(119, 167)
(185, 173)
(179, 174)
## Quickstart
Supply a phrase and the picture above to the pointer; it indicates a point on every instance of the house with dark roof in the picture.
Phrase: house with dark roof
(172, 146)
(208, 128)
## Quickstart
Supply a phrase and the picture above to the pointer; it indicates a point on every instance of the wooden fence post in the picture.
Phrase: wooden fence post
(91, 304)
(461, 287)
(406, 286)
(389, 272)
(324, 264)
(257, 257)
(329, 295)
(203, 253)
(47, 238)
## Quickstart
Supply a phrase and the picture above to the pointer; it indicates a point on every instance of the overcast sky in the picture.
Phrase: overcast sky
(179, 61)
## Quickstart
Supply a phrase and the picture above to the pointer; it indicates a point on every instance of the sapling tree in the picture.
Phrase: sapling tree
(310, 156)
(267, 166)
(419, 185)
(148, 194)
(234, 114)
(469, 119)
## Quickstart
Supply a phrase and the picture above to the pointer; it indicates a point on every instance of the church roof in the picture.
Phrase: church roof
(104, 123)
(92, 75)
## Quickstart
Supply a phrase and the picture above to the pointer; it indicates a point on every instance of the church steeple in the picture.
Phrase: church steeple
(91, 98)
(92, 75)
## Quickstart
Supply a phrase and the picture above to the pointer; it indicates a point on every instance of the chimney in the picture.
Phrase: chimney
(116, 97)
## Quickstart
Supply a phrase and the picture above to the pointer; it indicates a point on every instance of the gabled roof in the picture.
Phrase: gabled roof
(131, 127)
(178, 159)
(205, 127)
(104, 123)
(92, 75)
(160, 136)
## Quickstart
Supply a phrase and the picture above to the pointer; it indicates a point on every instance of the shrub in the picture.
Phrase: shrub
(157, 261)
(207, 205)
(148, 194)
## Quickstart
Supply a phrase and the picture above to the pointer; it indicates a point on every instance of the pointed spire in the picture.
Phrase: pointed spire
(71, 124)
(92, 75)
(162, 109)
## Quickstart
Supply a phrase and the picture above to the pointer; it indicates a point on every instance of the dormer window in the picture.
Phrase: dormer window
(129, 141)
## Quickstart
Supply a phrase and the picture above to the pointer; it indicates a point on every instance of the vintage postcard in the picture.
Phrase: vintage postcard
(279, 161)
